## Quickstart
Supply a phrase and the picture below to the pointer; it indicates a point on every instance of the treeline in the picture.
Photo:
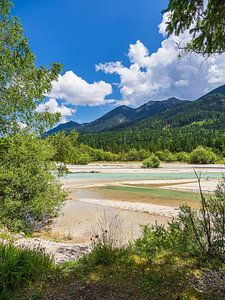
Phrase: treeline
(69, 150)
(157, 138)
(181, 128)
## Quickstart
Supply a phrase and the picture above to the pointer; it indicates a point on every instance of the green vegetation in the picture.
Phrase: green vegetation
(23, 85)
(20, 266)
(166, 156)
(69, 150)
(203, 156)
(195, 233)
(161, 263)
(30, 195)
(152, 162)
(164, 263)
(203, 20)
(176, 129)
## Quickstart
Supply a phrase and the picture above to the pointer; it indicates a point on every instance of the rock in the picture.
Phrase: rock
(60, 252)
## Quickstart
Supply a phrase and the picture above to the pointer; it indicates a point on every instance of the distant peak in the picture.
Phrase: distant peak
(123, 107)
(70, 123)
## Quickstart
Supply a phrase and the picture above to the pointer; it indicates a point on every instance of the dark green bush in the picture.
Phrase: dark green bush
(153, 240)
(182, 156)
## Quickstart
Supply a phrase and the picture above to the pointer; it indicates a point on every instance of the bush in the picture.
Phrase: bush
(165, 156)
(202, 155)
(154, 239)
(20, 266)
(132, 155)
(152, 162)
(193, 232)
(182, 156)
(102, 255)
(83, 159)
(208, 224)
(30, 194)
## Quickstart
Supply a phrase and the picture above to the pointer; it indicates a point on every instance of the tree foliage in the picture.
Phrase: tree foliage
(151, 162)
(182, 128)
(29, 193)
(202, 155)
(22, 85)
(205, 21)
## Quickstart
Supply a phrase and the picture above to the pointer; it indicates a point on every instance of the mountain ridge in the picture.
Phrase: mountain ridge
(124, 116)
(119, 116)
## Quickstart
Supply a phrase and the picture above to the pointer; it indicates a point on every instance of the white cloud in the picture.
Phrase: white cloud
(53, 107)
(77, 91)
(161, 75)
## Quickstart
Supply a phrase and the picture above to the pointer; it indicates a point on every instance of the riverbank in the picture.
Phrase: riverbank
(133, 194)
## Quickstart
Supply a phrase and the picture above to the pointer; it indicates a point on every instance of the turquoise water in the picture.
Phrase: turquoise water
(127, 176)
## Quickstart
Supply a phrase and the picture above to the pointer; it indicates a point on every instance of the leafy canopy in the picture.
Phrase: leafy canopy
(22, 85)
(29, 193)
(205, 21)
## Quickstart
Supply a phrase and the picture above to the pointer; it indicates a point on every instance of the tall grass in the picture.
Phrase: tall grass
(21, 266)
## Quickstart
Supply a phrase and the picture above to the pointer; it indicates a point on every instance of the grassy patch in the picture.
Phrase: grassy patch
(19, 267)
(121, 274)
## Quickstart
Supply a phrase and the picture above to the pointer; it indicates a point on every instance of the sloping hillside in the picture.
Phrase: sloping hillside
(119, 117)
(182, 127)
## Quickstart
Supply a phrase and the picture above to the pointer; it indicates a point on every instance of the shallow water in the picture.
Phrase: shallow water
(137, 176)
(147, 195)
(83, 217)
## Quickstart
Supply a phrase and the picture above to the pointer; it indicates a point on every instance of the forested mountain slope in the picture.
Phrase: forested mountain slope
(119, 117)
(182, 127)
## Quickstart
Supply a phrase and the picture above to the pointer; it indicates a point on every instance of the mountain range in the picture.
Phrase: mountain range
(125, 116)
(118, 117)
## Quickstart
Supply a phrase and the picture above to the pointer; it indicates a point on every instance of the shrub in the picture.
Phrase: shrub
(202, 155)
(182, 156)
(102, 255)
(132, 155)
(83, 159)
(30, 194)
(194, 232)
(152, 162)
(153, 240)
(20, 266)
(208, 224)
(165, 156)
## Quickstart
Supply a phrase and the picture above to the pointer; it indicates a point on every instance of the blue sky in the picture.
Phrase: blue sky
(81, 34)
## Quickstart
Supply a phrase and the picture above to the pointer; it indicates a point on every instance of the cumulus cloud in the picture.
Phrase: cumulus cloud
(52, 106)
(160, 75)
(77, 91)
